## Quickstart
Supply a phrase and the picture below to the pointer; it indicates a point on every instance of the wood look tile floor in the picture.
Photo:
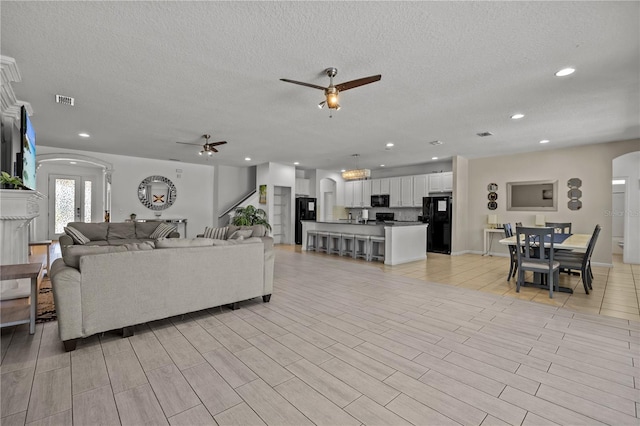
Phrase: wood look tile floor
(349, 342)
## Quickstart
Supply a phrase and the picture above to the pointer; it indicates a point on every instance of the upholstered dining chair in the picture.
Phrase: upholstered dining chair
(513, 265)
(530, 249)
(582, 261)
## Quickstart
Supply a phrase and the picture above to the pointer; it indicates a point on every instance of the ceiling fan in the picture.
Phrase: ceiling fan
(331, 92)
(208, 147)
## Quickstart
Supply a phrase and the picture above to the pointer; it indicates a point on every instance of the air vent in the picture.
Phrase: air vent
(484, 134)
(436, 143)
(65, 100)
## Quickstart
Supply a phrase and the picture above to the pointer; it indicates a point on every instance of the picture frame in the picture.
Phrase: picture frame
(262, 190)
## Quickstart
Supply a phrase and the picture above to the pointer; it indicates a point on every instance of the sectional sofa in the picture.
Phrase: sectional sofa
(97, 289)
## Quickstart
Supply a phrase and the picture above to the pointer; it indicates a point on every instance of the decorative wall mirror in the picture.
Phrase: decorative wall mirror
(540, 195)
(157, 193)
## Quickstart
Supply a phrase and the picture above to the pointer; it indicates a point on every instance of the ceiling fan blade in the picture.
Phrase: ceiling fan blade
(188, 143)
(213, 149)
(304, 84)
(359, 82)
(216, 143)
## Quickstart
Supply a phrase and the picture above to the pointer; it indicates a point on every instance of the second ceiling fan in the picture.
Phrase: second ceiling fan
(331, 92)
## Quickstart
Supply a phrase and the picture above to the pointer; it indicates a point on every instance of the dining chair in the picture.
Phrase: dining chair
(513, 265)
(581, 261)
(530, 249)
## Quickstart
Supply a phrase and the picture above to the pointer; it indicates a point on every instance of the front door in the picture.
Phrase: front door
(70, 200)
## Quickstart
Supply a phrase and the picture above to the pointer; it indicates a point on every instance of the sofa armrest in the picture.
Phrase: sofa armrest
(174, 234)
(66, 284)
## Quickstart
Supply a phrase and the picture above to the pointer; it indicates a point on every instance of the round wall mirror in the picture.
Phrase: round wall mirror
(157, 192)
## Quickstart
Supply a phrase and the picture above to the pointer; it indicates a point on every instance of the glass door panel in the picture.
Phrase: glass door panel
(70, 200)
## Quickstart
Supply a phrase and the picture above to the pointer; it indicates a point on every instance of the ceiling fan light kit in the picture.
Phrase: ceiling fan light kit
(208, 147)
(331, 93)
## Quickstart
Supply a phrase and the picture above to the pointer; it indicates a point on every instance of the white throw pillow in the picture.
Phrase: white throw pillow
(77, 236)
(163, 230)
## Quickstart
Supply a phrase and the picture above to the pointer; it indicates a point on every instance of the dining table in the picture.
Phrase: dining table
(573, 242)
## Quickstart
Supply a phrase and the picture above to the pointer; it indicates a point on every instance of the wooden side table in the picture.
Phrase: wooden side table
(44, 243)
(25, 270)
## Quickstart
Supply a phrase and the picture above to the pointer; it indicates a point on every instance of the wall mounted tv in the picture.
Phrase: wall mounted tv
(26, 159)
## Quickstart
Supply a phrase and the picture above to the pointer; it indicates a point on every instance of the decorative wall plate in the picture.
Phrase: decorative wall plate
(574, 183)
(492, 205)
(492, 187)
(492, 196)
(574, 204)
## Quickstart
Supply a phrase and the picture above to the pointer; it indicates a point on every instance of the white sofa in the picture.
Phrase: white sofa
(120, 289)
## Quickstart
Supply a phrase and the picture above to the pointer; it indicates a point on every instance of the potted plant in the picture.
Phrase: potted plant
(248, 216)
(10, 182)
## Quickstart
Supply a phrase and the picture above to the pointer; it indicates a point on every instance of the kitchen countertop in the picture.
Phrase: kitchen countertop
(369, 223)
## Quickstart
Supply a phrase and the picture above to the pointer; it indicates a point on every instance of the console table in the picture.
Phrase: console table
(177, 222)
(490, 240)
(24, 270)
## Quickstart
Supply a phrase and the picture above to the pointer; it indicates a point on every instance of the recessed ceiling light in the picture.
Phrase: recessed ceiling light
(247, 159)
(84, 135)
(296, 163)
(389, 144)
(73, 162)
(544, 141)
(343, 170)
(565, 72)
(517, 116)
(381, 165)
(434, 158)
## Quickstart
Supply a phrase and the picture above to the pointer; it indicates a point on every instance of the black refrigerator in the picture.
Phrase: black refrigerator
(305, 210)
(436, 211)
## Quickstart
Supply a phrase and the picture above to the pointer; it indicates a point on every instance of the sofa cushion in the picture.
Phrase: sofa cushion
(93, 231)
(77, 236)
(126, 230)
(98, 243)
(216, 233)
(145, 229)
(183, 242)
(241, 234)
(124, 241)
(146, 245)
(73, 253)
(162, 231)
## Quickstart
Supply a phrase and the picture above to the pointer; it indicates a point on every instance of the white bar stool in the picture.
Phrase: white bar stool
(376, 248)
(347, 244)
(312, 240)
(361, 247)
(335, 246)
(322, 242)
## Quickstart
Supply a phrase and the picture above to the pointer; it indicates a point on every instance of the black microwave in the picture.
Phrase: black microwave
(380, 200)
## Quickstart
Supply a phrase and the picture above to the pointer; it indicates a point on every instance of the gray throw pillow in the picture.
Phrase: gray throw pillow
(77, 236)
(244, 233)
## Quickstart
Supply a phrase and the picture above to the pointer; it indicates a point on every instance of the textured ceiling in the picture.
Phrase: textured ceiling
(148, 74)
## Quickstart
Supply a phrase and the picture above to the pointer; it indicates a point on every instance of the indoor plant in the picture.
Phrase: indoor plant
(10, 182)
(247, 216)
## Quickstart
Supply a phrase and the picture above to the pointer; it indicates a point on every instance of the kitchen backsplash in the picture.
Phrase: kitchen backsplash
(403, 214)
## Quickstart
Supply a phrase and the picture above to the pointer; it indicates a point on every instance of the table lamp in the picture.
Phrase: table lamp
(540, 220)
(492, 220)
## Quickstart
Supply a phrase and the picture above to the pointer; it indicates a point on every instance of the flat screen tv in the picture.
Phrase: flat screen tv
(26, 161)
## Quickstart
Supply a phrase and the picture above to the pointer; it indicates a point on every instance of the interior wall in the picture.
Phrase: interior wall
(272, 175)
(591, 163)
(195, 188)
(233, 183)
(629, 166)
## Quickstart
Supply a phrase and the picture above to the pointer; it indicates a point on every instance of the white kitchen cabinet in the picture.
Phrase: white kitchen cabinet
(348, 194)
(357, 193)
(302, 186)
(406, 191)
(375, 187)
(394, 192)
(441, 182)
(384, 186)
(420, 189)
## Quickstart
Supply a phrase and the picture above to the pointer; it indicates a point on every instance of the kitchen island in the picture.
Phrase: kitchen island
(404, 241)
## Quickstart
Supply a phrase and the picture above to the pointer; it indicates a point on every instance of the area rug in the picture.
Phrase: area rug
(46, 307)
